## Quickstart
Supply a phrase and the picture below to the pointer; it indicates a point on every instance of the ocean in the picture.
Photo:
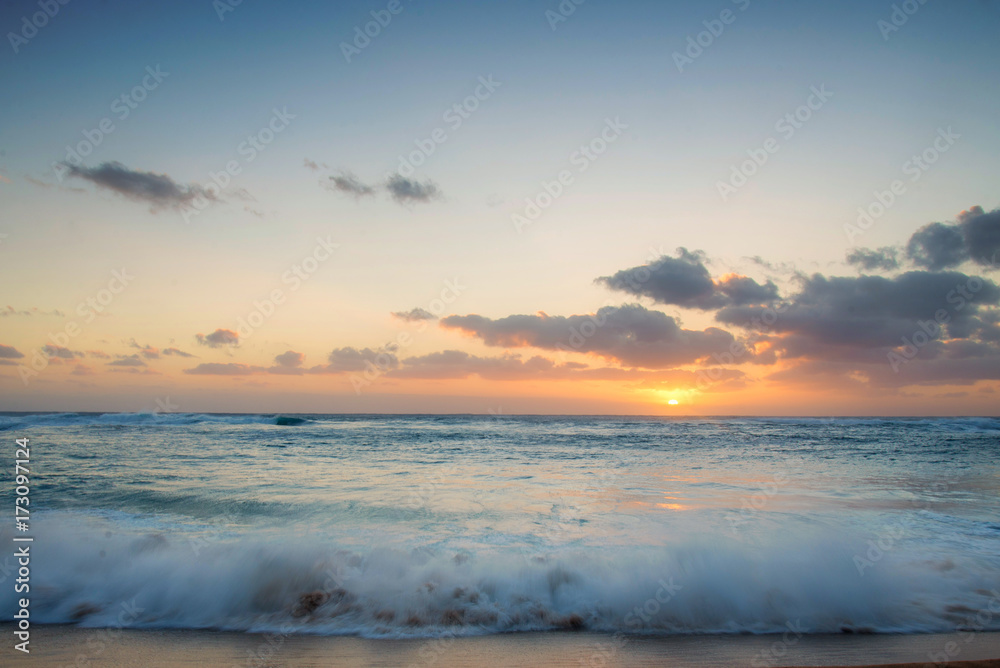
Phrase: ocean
(441, 526)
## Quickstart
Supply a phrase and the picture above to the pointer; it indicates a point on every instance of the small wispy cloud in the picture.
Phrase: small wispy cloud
(401, 189)
(413, 315)
(348, 183)
(159, 190)
(219, 338)
(405, 190)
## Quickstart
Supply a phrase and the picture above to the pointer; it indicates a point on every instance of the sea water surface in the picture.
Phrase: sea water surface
(411, 526)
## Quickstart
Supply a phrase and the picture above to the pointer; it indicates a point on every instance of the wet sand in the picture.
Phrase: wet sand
(63, 646)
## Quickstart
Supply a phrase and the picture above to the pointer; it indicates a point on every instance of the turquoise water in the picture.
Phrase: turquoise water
(437, 525)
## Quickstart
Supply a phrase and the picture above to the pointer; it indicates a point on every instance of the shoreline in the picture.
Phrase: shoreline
(57, 646)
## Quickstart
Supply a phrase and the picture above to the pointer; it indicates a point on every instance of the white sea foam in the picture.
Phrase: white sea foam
(83, 575)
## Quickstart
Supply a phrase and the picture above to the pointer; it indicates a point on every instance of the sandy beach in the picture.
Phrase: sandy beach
(60, 646)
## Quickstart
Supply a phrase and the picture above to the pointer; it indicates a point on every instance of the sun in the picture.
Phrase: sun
(673, 402)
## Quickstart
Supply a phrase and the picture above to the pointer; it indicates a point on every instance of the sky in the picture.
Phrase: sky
(718, 208)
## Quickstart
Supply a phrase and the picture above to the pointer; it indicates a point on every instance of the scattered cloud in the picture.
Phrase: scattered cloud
(414, 315)
(219, 338)
(866, 259)
(60, 353)
(10, 352)
(34, 310)
(159, 190)
(290, 359)
(348, 183)
(149, 352)
(289, 364)
(347, 360)
(869, 311)
(230, 369)
(974, 237)
(406, 191)
(176, 351)
(685, 281)
(630, 334)
(401, 189)
(128, 361)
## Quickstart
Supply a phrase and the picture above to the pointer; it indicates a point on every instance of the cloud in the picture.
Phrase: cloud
(401, 189)
(313, 165)
(974, 237)
(884, 258)
(289, 359)
(128, 361)
(230, 369)
(288, 363)
(157, 189)
(149, 352)
(414, 315)
(145, 371)
(10, 353)
(457, 364)
(859, 319)
(348, 183)
(60, 352)
(405, 190)
(937, 246)
(346, 360)
(452, 364)
(629, 334)
(34, 310)
(176, 351)
(219, 338)
(99, 354)
(685, 281)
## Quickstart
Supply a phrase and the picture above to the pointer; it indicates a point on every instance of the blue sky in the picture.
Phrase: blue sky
(656, 186)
